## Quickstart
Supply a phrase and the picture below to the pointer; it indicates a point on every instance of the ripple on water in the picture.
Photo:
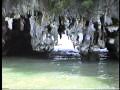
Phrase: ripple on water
(59, 74)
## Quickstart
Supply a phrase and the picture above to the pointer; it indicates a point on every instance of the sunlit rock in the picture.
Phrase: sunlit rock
(64, 44)
(41, 38)
(9, 20)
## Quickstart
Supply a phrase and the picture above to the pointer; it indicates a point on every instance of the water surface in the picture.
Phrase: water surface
(35, 73)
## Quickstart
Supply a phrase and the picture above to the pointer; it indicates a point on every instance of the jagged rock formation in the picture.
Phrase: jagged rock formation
(40, 30)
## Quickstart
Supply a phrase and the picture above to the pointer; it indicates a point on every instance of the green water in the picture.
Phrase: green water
(31, 73)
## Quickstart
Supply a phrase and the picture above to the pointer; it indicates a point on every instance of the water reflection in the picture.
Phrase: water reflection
(108, 72)
(65, 73)
(102, 69)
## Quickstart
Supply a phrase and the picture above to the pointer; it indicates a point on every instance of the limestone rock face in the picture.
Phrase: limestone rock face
(27, 34)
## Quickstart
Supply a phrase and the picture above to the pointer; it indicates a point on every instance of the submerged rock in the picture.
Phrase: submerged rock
(90, 57)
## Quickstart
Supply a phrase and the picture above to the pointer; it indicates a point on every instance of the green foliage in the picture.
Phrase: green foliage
(58, 6)
(86, 8)
(87, 3)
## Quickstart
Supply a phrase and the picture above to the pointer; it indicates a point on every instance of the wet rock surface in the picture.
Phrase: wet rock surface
(28, 36)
